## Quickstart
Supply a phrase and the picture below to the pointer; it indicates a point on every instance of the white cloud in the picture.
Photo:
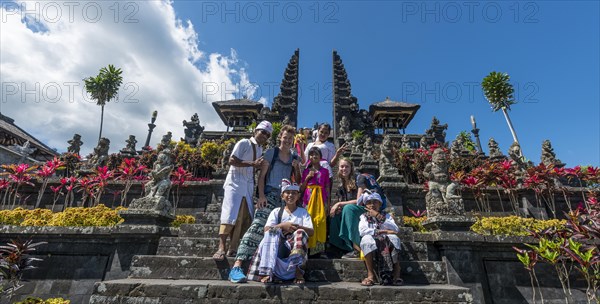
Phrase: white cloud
(44, 60)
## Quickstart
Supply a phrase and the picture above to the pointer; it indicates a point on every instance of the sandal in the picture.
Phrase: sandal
(219, 255)
(231, 253)
(367, 282)
(398, 282)
(299, 281)
(265, 279)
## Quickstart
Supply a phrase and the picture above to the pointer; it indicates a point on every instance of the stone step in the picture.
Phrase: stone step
(139, 291)
(199, 230)
(207, 245)
(317, 270)
(208, 217)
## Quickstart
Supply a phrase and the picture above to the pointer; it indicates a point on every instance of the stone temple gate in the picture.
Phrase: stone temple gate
(385, 117)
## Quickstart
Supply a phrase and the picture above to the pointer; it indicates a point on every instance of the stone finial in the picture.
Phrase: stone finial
(548, 156)
(494, 149)
(129, 149)
(423, 143)
(24, 151)
(405, 142)
(100, 156)
(226, 155)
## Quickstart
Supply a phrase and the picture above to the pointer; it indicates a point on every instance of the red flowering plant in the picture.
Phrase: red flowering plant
(44, 173)
(86, 186)
(543, 181)
(129, 171)
(573, 247)
(70, 184)
(100, 178)
(178, 179)
(18, 175)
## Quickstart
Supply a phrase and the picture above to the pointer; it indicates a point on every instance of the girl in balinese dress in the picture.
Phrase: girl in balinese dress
(315, 189)
(283, 249)
(379, 243)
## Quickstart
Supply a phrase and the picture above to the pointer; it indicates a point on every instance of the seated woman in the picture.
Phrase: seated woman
(345, 214)
(283, 250)
(379, 243)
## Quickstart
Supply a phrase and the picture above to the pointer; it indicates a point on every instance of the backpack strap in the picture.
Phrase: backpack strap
(280, 214)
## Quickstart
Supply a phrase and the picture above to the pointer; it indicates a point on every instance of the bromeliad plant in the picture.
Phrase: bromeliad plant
(18, 175)
(129, 171)
(14, 260)
(178, 179)
(573, 247)
(44, 173)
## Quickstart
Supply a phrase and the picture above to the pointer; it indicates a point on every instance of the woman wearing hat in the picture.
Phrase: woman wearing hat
(379, 243)
(283, 250)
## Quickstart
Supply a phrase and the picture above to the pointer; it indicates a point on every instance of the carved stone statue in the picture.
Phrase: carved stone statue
(445, 208)
(286, 120)
(24, 151)
(74, 144)
(129, 150)
(160, 183)
(423, 143)
(515, 154)
(437, 131)
(368, 148)
(441, 198)
(192, 130)
(548, 155)
(165, 142)
(226, 154)
(344, 127)
(457, 148)
(494, 149)
(386, 159)
(100, 155)
(357, 147)
(405, 142)
(156, 193)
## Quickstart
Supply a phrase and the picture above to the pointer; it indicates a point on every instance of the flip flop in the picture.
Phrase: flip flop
(367, 282)
(219, 255)
(299, 281)
(231, 254)
(398, 282)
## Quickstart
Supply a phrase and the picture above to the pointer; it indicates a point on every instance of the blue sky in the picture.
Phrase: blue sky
(432, 53)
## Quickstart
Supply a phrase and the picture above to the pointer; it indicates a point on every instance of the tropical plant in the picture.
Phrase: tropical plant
(499, 93)
(103, 88)
(14, 260)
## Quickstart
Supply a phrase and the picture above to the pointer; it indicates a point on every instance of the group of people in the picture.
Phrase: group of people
(294, 216)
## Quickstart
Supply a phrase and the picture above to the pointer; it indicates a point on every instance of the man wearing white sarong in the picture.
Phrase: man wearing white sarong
(238, 208)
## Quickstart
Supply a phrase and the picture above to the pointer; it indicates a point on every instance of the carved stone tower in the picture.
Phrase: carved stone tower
(285, 104)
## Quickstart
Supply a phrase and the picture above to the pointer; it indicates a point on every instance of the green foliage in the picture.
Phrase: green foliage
(105, 86)
(357, 134)
(276, 129)
(513, 225)
(498, 90)
(467, 140)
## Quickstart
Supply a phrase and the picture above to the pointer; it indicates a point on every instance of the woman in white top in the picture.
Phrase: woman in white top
(283, 250)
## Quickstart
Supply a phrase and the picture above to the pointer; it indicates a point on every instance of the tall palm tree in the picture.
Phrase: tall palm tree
(499, 93)
(104, 87)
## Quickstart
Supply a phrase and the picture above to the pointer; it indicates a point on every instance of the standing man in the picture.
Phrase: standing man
(237, 209)
(280, 163)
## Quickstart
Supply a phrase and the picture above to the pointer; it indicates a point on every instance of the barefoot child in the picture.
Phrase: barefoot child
(315, 188)
(379, 243)
(283, 249)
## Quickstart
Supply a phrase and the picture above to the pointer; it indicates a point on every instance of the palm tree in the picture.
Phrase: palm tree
(499, 93)
(104, 87)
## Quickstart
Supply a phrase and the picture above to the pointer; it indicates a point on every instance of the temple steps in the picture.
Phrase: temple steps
(161, 291)
(207, 245)
(317, 270)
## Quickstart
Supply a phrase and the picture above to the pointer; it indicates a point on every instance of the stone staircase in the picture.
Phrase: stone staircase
(184, 272)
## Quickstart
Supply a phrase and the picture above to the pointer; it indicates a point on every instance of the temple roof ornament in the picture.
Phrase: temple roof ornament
(391, 116)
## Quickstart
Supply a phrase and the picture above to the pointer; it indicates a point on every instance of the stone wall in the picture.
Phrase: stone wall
(74, 258)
